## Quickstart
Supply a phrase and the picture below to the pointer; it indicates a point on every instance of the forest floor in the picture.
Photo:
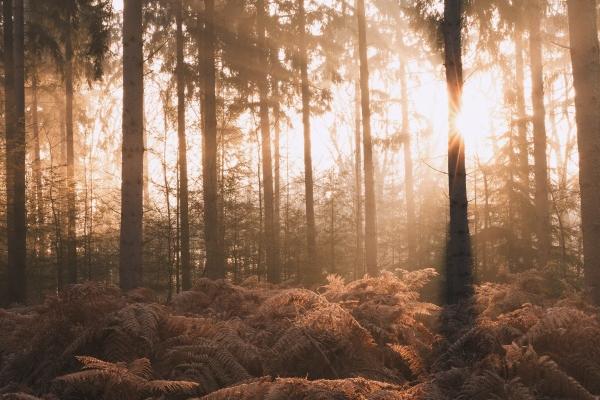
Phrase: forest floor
(530, 337)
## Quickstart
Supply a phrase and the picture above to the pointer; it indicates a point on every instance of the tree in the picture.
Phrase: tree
(370, 205)
(313, 270)
(130, 261)
(459, 262)
(215, 262)
(542, 205)
(408, 173)
(186, 270)
(14, 84)
(585, 57)
(522, 139)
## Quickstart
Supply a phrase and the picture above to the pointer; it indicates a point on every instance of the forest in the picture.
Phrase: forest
(300, 199)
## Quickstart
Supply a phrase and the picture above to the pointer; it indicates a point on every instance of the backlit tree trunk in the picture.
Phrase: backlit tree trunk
(313, 271)
(37, 167)
(71, 211)
(522, 140)
(459, 263)
(272, 252)
(542, 206)
(411, 238)
(14, 67)
(183, 198)
(215, 264)
(130, 262)
(585, 57)
(359, 267)
(370, 205)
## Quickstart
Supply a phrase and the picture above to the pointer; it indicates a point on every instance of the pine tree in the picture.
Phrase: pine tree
(130, 262)
(459, 263)
(585, 57)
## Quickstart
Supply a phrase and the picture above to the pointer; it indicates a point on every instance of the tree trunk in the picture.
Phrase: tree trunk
(459, 263)
(370, 205)
(71, 211)
(215, 267)
(130, 262)
(411, 241)
(272, 252)
(542, 207)
(14, 59)
(585, 56)
(275, 99)
(523, 142)
(359, 264)
(313, 271)
(37, 169)
(186, 270)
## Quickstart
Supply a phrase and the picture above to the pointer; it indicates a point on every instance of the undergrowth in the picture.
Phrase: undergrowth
(374, 338)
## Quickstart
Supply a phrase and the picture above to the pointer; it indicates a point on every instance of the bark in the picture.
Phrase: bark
(359, 267)
(130, 262)
(272, 253)
(215, 266)
(411, 239)
(313, 272)
(370, 205)
(14, 71)
(585, 57)
(71, 211)
(522, 140)
(459, 263)
(542, 206)
(277, 172)
(183, 197)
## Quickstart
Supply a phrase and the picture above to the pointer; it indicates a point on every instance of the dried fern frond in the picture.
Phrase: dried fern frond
(121, 381)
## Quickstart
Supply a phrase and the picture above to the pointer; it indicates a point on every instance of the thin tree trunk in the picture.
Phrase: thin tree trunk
(37, 168)
(277, 169)
(168, 206)
(313, 271)
(130, 262)
(585, 57)
(411, 241)
(359, 263)
(272, 252)
(186, 270)
(539, 135)
(71, 211)
(215, 267)
(14, 73)
(523, 142)
(370, 205)
(459, 262)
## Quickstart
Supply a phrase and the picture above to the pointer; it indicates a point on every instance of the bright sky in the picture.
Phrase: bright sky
(118, 5)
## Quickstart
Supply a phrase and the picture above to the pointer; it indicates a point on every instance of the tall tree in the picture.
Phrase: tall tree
(585, 57)
(542, 205)
(411, 238)
(215, 262)
(459, 263)
(370, 204)
(14, 85)
(130, 262)
(272, 253)
(312, 274)
(186, 270)
(71, 211)
(358, 192)
(522, 139)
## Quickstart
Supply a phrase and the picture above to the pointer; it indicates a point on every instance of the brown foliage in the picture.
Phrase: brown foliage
(369, 339)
